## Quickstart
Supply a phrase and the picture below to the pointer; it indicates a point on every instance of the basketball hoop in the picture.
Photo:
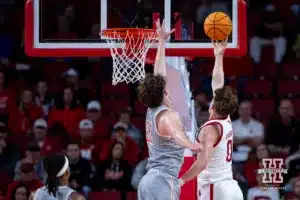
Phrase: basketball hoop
(129, 47)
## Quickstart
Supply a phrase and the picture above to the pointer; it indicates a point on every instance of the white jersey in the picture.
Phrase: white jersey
(63, 193)
(258, 194)
(219, 166)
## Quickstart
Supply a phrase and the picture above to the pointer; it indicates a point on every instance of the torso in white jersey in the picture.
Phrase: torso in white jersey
(219, 166)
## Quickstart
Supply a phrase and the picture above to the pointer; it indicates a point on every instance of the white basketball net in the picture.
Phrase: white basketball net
(129, 53)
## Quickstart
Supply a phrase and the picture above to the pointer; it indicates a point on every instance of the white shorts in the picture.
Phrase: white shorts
(223, 190)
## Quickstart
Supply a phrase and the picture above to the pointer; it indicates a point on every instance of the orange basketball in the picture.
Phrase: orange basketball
(218, 26)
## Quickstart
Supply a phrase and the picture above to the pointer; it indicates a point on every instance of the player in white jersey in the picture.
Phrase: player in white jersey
(216, 137)
(56, 187)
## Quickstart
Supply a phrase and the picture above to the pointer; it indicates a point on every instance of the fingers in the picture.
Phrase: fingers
(172, 31)
(225, 42)
(157, 23)
(163, 24)
(214, 43)
(168, 34)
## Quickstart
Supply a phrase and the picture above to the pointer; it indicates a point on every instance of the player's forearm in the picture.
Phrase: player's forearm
(218, 73)
(160, 60)
(182, 139)
(196, 168)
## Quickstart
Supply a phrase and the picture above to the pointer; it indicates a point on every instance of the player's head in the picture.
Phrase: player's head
(58, 172)
(225, 102)
(152, 91)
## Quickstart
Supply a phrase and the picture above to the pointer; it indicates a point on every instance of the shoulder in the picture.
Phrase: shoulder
(76, 196)
(167, 116)
(168, 112)
(35, 193)
(256, 122)
(210, 128)
(235, 122)
(210, 133)
(252, 190)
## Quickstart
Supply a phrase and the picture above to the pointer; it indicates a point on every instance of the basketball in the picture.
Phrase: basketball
(218, 26)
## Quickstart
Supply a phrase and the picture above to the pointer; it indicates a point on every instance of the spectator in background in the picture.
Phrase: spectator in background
(32, 156)
(248, 132)
(21, 122)
(80, 169)
(27, 177)
(39, 132)
(67, 112)
(131, 149)
(201, 108)
(262, 191)
(90, 147)
(296, 46)
(270, 32)
(55, 140)
(94, 34)
(296, 189)
(101, 124)
(255, 157)
(63, 29)
(21, 192)
(282, 133)
(6, 99)
(80, 94)
(132, 131)
(292, 163)
(42, 97)
(9, 154)
(115, 172)
(138, 173)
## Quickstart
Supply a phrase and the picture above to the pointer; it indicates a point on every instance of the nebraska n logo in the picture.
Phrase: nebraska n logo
(272, 171)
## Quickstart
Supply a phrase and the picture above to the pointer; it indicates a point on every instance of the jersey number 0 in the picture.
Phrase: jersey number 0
(229, 151)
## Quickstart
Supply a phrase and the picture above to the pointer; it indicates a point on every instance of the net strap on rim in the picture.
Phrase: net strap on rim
(129, 50)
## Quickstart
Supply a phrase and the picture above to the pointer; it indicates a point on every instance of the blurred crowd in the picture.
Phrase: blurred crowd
(68, 106)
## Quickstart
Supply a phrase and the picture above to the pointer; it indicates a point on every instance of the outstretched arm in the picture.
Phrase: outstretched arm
(160, 60)
(218, 72)
(171, 126)
(209, 138)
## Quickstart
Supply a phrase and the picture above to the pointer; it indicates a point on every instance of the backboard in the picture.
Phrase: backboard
(47, 23)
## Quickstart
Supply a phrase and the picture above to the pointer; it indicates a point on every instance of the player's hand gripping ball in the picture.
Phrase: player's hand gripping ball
(218, 26)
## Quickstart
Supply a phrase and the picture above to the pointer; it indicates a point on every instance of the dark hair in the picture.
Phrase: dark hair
(20, 185)
(20, 95)
(73, 142)
(52, 165)
(59, 102)
(151, 90)
(225, 100)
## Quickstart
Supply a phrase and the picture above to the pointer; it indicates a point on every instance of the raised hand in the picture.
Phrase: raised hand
(219, 47)
(162, 34)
